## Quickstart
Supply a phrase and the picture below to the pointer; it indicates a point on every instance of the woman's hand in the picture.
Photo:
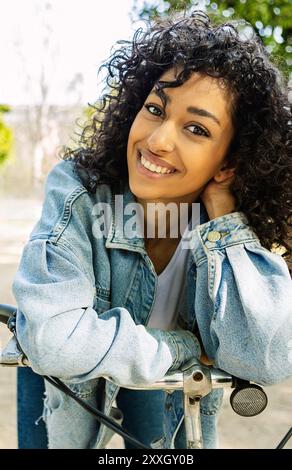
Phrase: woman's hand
(205, 360)
(217, 196)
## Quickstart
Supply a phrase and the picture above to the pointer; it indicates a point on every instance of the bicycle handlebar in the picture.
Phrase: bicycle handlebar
(175, 381)
(194, 379)
(6, 311)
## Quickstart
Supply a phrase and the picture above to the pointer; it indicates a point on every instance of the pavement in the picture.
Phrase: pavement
(265, 431)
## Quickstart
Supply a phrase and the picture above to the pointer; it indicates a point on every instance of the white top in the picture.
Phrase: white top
(171, 290)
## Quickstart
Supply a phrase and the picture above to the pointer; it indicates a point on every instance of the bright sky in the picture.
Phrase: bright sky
(83, 32)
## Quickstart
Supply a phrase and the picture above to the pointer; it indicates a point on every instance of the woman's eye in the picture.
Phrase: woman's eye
(153, 109)
(198, 130)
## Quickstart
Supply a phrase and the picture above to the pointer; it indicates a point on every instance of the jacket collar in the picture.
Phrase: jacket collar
(122, 218)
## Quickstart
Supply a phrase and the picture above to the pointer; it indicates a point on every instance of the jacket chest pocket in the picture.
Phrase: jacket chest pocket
(102, 300)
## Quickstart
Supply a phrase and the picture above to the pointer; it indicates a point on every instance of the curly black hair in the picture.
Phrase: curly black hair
(261, 112)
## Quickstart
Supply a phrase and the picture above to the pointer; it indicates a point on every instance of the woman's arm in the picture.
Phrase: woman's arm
(63, 336)
(243, 300)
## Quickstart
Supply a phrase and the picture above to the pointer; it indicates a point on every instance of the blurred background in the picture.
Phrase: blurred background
(50, 52)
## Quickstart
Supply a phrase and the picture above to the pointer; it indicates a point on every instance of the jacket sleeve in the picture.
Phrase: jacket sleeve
(243, 301)
(63, 336)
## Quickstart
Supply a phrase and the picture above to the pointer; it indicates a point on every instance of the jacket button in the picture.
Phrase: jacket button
(214, 236)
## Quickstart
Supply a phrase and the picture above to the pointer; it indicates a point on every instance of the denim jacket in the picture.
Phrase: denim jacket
(84, 302)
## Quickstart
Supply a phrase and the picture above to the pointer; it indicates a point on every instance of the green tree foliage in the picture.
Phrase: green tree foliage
(6, 136)
(271, 19)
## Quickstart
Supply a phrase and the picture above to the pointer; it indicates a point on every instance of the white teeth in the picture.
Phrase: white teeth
(156, 169)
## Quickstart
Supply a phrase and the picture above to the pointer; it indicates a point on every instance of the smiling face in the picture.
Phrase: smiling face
(174, 150)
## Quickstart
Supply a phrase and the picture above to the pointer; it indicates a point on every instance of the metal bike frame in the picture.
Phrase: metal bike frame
(195, 381)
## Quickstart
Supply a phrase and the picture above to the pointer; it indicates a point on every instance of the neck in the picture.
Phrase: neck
(165, 220)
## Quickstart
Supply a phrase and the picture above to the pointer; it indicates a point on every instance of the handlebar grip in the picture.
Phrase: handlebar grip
(6, 311)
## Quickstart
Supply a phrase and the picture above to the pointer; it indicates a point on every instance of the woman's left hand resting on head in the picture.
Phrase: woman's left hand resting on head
(217, 195)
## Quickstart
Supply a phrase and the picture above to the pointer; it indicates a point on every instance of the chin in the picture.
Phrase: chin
(143, 192)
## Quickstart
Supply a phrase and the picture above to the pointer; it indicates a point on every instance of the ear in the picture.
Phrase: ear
(224, 173)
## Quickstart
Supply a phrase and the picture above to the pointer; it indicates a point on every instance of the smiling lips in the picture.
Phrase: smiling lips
(155, 164)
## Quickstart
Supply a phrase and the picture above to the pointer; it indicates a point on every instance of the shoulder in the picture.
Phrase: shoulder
(67, 203)
(63, 177)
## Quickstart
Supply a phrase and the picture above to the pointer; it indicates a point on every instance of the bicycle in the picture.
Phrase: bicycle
(194, 379)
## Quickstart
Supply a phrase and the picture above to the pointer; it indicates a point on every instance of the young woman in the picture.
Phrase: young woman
(197, 113)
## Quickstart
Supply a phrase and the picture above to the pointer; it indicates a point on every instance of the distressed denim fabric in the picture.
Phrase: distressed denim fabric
(142, 413)
(84, 303)
(32, 433)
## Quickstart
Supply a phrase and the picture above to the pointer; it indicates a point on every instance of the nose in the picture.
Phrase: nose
(162, 139)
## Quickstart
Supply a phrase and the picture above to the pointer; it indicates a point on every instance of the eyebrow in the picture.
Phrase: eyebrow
(190, 109)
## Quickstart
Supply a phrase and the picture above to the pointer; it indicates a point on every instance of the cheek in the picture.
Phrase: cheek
(131, 134)
(201, 164)
(134, 135)
(198, 171)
